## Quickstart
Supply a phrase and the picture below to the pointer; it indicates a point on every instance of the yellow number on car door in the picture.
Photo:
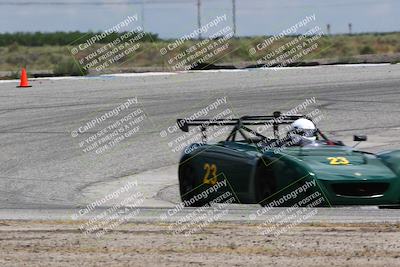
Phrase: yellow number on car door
(210, 175)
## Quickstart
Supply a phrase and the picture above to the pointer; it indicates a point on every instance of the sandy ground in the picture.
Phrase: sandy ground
(56, 243)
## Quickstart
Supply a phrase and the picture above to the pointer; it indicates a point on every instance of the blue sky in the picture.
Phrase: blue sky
(173, 18)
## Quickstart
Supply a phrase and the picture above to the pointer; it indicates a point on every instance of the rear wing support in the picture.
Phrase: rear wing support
(239, 124)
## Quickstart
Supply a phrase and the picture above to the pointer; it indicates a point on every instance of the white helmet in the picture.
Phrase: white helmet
(304, 128)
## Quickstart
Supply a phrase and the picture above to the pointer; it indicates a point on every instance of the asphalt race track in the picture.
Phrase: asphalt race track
(43, 166)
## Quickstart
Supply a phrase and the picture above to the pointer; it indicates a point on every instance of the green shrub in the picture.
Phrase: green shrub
(366, 49)
(68, 67)
(16, 59)
(61, 38)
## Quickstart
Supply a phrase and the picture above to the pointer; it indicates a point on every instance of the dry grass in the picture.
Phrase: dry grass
(341, 47)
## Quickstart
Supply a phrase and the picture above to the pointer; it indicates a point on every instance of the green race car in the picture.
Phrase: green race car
(275, 171)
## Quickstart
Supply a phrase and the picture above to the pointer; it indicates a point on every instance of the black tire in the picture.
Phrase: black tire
(187, 183)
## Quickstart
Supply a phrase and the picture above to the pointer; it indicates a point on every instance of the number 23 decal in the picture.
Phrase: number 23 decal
(338, 161)
(211, 171)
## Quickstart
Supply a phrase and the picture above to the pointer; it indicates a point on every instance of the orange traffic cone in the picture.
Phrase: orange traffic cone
(24, 79)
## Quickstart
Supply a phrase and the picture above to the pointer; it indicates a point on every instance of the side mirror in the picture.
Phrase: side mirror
(182, 125)
(277, 114)
(360, 138)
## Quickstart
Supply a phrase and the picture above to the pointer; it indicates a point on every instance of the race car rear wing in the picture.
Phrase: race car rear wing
(239, 124)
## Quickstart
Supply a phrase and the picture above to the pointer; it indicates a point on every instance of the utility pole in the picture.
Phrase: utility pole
(350, 28)
(199, 17)
(142, 15)
(234, 17)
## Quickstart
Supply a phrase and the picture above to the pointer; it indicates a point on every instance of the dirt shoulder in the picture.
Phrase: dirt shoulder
(36, 243)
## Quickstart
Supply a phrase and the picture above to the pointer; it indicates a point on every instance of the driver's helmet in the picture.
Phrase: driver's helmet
(304, 129)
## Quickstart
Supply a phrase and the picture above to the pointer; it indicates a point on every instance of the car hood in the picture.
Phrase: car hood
(342, 163)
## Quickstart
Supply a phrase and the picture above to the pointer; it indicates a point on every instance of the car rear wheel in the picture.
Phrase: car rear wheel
(187, 185)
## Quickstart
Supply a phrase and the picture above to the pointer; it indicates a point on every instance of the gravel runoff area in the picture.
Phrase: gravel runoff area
(56, 243)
